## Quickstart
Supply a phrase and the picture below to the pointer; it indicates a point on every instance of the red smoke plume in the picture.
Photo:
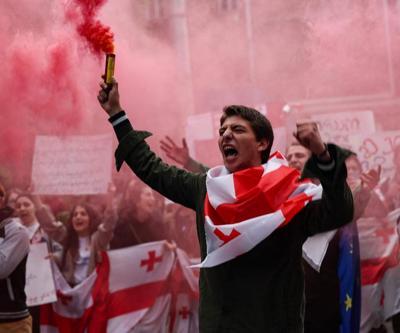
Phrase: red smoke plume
(98, 36)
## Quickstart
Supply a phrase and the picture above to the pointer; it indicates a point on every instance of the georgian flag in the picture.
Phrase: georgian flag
(138, 283)
(380, 269)
(129, 292)
(245, 207)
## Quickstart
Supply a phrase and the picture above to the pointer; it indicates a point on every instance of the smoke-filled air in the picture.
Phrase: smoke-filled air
(171, 66)
(155, 153)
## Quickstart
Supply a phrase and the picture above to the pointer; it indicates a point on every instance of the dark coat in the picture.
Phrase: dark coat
(262, 290)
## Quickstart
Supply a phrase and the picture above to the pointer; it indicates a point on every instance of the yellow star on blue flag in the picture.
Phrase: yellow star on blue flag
(348, 302)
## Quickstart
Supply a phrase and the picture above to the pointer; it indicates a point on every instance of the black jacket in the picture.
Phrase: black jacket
(14, 244)
(262, 290)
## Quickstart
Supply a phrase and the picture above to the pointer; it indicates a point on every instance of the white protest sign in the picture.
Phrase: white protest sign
(72, 164)
(337, 127)
(39, 287)
(376, 149)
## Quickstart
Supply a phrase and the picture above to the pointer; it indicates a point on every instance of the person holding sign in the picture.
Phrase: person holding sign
(248, 283)
(25, 209)
(14, 248)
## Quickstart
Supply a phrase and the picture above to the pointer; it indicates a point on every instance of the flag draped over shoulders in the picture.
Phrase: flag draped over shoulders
(245, 207)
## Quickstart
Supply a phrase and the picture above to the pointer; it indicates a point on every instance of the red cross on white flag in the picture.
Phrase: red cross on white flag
(151, 261)
(244, 208)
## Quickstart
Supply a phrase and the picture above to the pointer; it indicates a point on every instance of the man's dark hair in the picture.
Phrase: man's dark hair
(261, 126)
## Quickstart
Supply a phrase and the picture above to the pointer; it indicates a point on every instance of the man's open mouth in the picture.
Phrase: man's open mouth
(230, 151)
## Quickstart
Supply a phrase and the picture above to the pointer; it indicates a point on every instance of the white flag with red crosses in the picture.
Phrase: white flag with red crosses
(138, 283)
(129, 292)
(380, 269)
(245, 207)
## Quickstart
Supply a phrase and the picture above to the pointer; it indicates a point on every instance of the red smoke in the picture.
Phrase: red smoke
(48, 86)
(98, 36)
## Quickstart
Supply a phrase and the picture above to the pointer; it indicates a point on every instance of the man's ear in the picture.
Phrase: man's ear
(262, 145)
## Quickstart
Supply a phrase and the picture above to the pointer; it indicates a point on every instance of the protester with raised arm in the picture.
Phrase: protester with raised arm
(84, 236)
(249, 281)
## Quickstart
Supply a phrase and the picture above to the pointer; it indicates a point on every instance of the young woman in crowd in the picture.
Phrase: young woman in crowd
(83, 237)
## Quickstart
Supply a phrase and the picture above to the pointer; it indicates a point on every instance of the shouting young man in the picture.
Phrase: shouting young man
(253, 215)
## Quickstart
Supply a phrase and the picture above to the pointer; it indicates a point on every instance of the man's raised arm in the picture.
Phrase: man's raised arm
(176, 184)
(327, 163)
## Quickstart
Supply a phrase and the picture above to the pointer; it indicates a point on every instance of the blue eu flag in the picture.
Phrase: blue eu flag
(349, 279)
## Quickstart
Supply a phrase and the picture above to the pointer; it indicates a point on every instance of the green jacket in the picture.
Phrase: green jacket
(262, 290)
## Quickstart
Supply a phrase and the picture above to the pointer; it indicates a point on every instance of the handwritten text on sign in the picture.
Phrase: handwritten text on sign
(337, 127)
(72, 164)
(39, 287)
(376, 149)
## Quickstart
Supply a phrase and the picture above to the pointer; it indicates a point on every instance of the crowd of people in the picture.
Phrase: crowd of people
(76, 230)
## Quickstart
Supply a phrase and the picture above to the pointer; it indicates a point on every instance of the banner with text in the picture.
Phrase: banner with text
(72, 164)
(39, 286)
(338, 127)
(376, 149)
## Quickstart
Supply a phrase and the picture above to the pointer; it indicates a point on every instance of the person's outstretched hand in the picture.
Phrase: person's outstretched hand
(174, 152)
(109, 98)
(371, 178)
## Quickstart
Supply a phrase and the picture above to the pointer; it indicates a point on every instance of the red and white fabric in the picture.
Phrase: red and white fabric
(127, 293)
(245, 207)
(185, 293)
(380, 269)
(156, 318)
(74, 306)
(138, 287)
